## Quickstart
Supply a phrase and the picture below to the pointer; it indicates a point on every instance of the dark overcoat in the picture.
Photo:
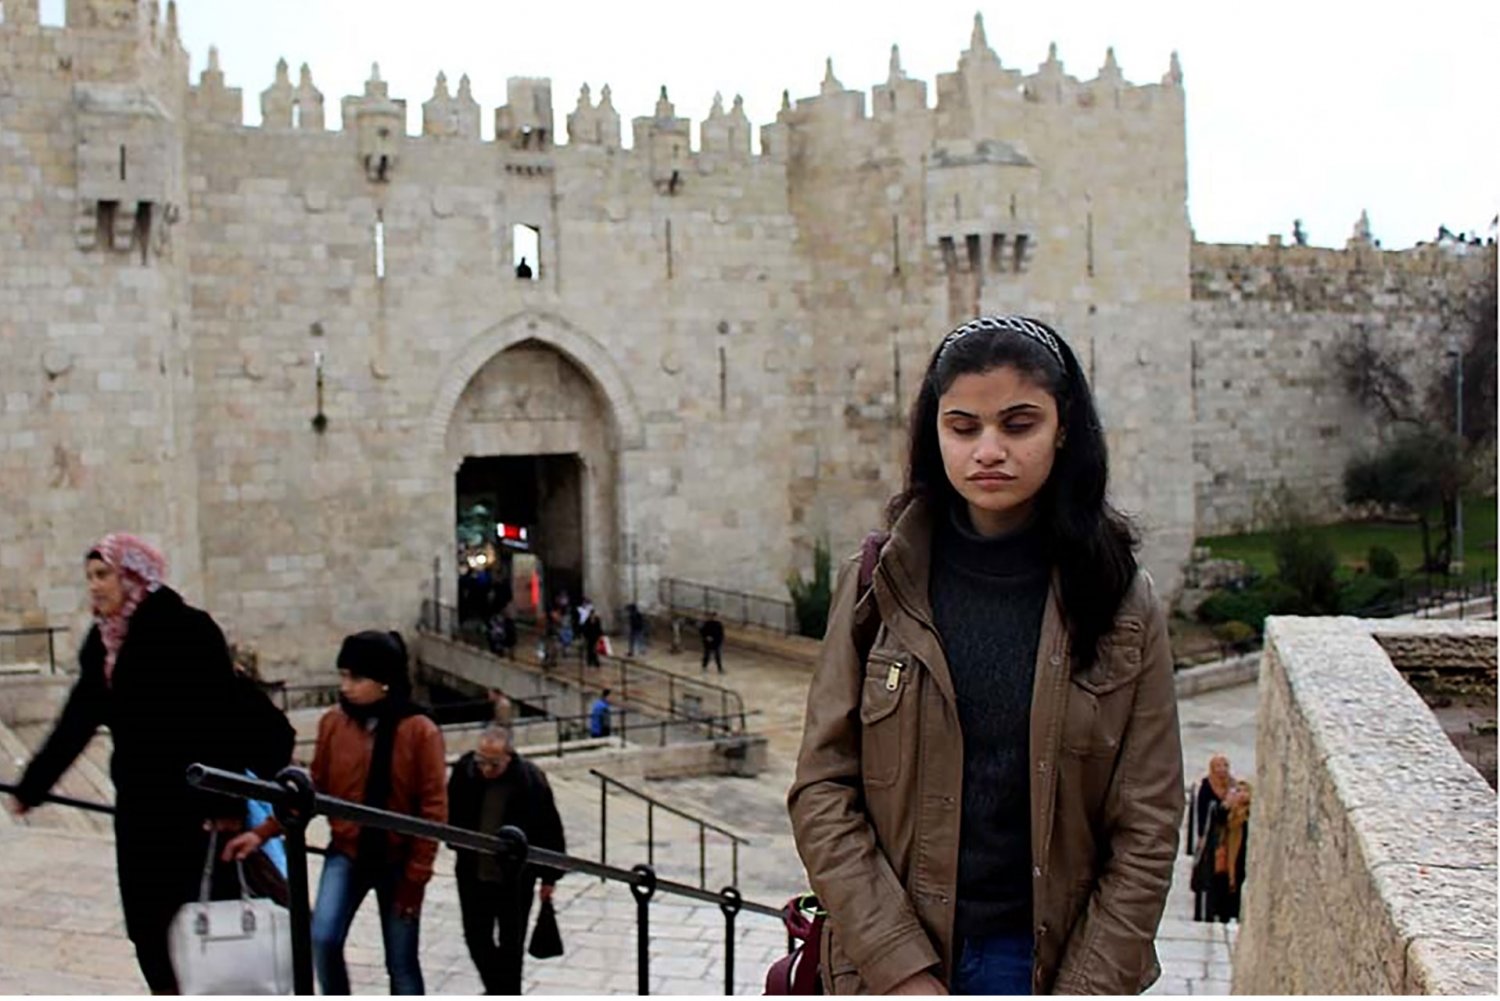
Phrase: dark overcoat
(173, 699)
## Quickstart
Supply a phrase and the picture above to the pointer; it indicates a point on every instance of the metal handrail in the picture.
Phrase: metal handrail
(653, 804)
(434, 615)
(1423, 599)
(50, 632)
(296, 802)
(105, 808)
(783, 614)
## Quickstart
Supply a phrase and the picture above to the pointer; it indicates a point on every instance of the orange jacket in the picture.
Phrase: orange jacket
(419, 784)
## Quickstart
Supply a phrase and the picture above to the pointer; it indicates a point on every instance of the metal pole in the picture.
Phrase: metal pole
(1458, 364)
(642, 891)
(51, 656)
(437, 594)
(702, 860)
(650, 833)
(294, 817)
(734, 856)
(730, 905)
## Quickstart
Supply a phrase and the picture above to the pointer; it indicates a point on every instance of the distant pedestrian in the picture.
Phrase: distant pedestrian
(1211, 791)
(599, 715)
(590, 629)
(504, 710)
(502, 634)
(711, 631)
(1225, 851)
(637, 623)
(491, 788)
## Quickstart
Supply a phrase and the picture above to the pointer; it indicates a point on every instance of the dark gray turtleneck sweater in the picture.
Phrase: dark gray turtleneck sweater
(988, 596)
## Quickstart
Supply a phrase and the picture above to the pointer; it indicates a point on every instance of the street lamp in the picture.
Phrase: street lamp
(1455, 351)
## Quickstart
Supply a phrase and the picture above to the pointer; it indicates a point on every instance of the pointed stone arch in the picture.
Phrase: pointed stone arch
(577, 346)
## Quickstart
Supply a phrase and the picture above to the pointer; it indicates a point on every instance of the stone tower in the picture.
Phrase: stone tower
(101, 299)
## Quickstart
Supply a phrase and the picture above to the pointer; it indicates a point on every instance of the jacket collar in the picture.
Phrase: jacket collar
(906, 560)
(901, 586)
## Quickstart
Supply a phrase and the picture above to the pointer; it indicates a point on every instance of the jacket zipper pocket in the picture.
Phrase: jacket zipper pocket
(893, 677)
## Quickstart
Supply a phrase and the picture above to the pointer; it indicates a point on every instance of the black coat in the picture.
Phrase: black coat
(529, 807)
(174, 699)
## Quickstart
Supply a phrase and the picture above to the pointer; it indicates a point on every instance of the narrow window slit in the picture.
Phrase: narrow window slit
(380, 244)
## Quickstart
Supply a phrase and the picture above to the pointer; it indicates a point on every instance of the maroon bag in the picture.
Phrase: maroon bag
(797, 971)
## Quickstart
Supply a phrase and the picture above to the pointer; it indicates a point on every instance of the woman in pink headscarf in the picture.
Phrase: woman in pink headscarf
(157, 672)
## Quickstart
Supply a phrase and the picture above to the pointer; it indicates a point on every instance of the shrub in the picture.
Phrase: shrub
(810, 600)
(1249, 606)
(1306, 561)
(1235, 634)
(1383, 563)
(1365, 593)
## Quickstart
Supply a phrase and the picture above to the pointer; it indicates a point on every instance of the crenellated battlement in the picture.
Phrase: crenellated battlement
(974, 103)
(1358, 277)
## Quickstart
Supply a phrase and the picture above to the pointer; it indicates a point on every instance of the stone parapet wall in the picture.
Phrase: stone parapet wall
(1372, 858)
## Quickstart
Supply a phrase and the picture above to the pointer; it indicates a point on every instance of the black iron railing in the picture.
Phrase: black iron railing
(641, 686)
(1475, 598)
(652, 805)
(622, 724)
(741, 607)
(38, 637)
(296, 803)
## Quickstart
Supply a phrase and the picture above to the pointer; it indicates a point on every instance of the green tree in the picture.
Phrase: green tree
(810, 599)
(1419, 470)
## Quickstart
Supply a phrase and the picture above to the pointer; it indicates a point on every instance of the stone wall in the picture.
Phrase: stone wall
(1268, 404)
(1372, 854)
(749, 328)
(96, 373)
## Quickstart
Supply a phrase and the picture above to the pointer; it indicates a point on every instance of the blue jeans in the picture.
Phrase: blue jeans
(996, 964)
(340, 892)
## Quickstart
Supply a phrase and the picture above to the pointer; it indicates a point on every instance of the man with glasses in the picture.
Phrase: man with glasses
(490, 788)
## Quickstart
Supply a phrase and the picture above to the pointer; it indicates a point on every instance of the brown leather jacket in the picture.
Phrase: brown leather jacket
(875, 804)
(419, 784)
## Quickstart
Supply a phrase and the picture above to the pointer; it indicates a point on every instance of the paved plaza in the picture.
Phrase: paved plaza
(61, 930)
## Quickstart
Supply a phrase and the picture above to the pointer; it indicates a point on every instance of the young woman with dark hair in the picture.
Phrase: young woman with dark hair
(379, 748)
(990, 783)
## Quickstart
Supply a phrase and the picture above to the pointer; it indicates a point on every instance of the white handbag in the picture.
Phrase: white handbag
(239, 946)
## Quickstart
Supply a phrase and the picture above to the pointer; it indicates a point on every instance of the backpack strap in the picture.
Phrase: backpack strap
(869, 555)
(866, 611)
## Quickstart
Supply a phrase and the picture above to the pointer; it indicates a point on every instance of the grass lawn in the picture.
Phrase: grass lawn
(1352, 541)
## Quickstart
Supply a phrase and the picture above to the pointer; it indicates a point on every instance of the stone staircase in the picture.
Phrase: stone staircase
(88, 779)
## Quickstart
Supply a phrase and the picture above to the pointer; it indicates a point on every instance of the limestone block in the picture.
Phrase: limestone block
(1438, 966)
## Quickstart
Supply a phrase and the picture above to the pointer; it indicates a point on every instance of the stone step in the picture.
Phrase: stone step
(83, 780)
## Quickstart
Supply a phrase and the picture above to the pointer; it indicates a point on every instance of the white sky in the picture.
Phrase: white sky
(1295, 108)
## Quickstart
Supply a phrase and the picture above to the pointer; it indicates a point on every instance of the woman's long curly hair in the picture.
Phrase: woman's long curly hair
(1092, 545)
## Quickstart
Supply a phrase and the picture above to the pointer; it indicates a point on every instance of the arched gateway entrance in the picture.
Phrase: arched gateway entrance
(533, 438)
